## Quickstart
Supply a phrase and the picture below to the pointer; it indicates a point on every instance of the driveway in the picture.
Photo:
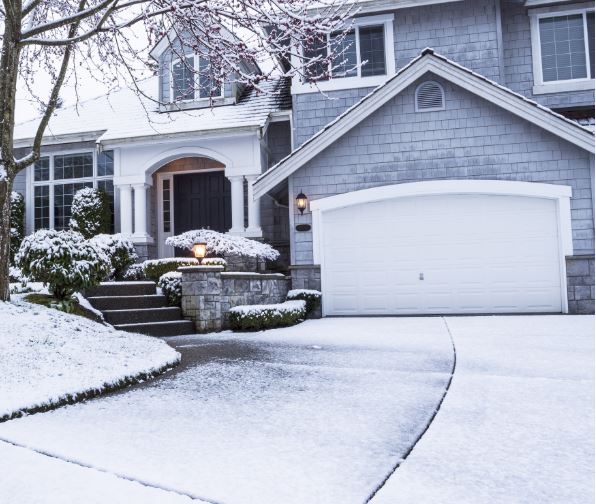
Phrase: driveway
(324, 412)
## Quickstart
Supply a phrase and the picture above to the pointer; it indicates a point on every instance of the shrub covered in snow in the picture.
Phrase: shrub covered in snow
(90, 212)
(135, 272)
(17, 223)
(259, 317)
(220, 244)
(155, 268)
(214, 261)
(119, 249)
(15, 275)
(171, 287)
(63, 260)
(312, 298)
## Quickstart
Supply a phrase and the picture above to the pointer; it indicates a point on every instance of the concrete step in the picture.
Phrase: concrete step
(128, 302)
(143, 315)
(121, 289)
(173, 328)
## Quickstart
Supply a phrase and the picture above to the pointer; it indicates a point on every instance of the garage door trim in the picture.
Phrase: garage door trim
(559, 193)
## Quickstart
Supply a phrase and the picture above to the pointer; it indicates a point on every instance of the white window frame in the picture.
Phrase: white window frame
(541, 87)
(52, 182)
(333, 84)
(196, 68)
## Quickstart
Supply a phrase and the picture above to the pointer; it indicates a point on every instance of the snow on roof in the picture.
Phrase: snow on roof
(123, 114)
(587, 122)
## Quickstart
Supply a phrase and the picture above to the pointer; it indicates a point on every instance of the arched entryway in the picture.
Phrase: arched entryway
(191, 193)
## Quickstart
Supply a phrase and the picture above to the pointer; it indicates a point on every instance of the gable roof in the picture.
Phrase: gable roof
(428, 61)
(124, 115)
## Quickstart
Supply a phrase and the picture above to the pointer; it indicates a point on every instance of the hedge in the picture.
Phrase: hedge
(259, 317)
(312, 298)
(155, 268)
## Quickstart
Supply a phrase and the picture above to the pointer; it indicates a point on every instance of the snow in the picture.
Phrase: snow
(280, 308)
(123, 114)
(300, 292)
(57, 482)
(220, 243)
(517, 424)
(318, 412)
(47, 355)
(170, 260)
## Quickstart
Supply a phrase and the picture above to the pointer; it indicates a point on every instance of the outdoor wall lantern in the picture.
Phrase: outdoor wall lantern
(199, 250)
(301, 202)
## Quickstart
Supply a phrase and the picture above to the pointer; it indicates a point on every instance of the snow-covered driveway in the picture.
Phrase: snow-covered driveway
(316, 413)
(321, 413)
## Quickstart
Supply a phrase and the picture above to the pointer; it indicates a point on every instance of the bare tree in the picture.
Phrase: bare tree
(59, 37)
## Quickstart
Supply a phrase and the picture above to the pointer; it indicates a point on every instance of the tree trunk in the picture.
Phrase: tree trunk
(5, 191)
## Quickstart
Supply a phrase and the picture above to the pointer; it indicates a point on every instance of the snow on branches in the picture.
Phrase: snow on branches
(223, 244)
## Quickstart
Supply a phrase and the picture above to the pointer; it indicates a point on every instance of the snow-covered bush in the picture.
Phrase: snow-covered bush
(119, 249)
(15, 275)
(155, 268)
(63, 260)
(135, 272)
(171, 287)
(90, 212)
(258, 317)
(214, 261)
(220, 244)
(312, 298)
(17, 223)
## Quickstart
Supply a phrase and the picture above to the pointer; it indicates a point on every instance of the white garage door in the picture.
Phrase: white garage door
(467, 253)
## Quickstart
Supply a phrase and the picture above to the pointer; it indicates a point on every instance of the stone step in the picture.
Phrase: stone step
(121, 289)
(173, 328)
(128, 302)
(143, 315)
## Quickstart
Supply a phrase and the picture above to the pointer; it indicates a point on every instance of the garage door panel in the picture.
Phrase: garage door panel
(477, 254)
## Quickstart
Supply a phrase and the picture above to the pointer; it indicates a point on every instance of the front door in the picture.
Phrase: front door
(202, 201)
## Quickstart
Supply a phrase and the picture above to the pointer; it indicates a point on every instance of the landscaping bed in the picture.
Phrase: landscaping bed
(50, 358)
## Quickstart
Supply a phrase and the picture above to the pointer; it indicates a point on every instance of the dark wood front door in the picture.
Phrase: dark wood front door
(202, 201)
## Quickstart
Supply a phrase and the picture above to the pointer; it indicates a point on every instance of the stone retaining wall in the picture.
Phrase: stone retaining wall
(208, 293)
(580, 284)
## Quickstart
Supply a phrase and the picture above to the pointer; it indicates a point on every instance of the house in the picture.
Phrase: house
(457, 179)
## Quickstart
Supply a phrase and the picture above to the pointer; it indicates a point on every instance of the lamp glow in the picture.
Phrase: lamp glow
(301, 202)
(199, 250)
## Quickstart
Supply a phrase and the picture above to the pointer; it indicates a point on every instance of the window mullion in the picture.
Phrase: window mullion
(587, 46)
(358, 59)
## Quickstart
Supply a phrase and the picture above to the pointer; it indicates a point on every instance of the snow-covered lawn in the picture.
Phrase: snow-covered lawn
(47, 356)
(517, 424)
(318, 412)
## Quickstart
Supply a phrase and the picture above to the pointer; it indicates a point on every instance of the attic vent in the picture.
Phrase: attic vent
(429, 96)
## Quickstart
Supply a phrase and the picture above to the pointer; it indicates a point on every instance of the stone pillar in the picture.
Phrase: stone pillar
(237, 182)
(141, 211)
(125, 209)
(254, 211)
(201, 296)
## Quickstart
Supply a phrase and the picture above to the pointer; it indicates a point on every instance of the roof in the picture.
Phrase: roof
(427, 61)
(123, 115)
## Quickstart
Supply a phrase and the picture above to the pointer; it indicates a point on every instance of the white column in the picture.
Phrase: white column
(237, 182)
(254, 210)
(125, 209)
(141, 211)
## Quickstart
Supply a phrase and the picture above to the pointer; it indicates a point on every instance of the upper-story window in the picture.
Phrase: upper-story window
(192, 78)
(365, 57)
(562, 49)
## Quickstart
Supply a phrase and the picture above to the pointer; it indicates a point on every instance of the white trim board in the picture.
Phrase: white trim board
(438, 65)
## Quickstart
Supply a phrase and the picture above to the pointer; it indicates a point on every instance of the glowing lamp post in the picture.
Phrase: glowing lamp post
(200, 251)
(301, 202)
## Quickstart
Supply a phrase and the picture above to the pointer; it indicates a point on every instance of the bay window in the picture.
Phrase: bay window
(58, 177)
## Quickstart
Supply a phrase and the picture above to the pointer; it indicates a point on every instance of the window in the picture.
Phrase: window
(562, 50)
(363, 57)
(167, 218)
(57, 178)
(184, 77)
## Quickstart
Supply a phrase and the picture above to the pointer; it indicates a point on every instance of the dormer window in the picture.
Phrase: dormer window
(562, 49)
(365, 57)
(185, 75)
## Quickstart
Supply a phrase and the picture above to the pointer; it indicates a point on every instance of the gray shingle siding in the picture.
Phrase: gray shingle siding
(470, 139)
(519, 77)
